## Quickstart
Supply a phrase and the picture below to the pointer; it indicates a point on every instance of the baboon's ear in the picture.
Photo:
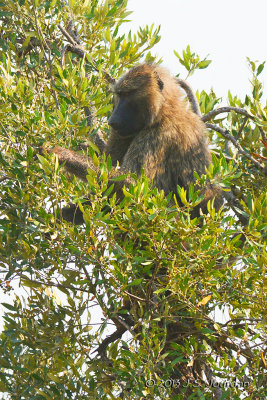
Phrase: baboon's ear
(160, 83)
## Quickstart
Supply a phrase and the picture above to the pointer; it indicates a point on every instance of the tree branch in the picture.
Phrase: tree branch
(237, 207)
(67, 35)
(221, 110)
(57, 285)
(5, 177)
(78, 49)
(72, 31)
(4, 129)
(217, 390)
(111, 339)
(227, 136)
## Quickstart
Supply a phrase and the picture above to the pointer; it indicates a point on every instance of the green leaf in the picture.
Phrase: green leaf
(135, 282)
(119, 178)
(260, 69)
(176, 54)
(182, 195)
(104, 109)
(9, 307)
(204, 64)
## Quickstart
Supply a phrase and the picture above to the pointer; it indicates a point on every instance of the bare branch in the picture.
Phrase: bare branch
(221, 110)
(227, 136)
(75, 47)
(246, 352)
(72, 30)
(67, 35)
(258, 344)
(111, 339)
(81, 52)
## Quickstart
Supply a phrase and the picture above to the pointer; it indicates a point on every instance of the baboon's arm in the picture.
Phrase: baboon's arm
(75, 163)
(78, 165)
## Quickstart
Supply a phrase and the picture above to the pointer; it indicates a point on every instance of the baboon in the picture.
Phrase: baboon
(151, 127)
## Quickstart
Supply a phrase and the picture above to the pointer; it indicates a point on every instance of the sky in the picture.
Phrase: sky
(228, 31)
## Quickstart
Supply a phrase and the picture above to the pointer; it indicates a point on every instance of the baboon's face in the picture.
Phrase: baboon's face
(137, 102)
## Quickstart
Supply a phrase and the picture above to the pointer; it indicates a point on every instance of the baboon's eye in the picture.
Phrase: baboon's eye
(125, 94)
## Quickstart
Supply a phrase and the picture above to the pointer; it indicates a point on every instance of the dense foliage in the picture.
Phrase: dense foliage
(186, 300)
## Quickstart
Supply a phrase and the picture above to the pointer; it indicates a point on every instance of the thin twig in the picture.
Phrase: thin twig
(239, 319)
(57, 285)
(227, 136)
(258, 344)
(135, 297)
(221, 110)
(23, 51)
(97, 135)
(228, 158)
(4, 129)
(67, 35)
(5, 177)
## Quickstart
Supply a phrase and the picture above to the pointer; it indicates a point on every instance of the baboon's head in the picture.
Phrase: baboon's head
(138, 100)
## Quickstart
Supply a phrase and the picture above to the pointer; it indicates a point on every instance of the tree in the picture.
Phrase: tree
(130, 304)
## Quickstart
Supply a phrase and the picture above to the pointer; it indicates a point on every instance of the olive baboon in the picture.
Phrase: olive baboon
(153, 128)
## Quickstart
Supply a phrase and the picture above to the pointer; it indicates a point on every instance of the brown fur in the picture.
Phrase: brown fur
(171, 143)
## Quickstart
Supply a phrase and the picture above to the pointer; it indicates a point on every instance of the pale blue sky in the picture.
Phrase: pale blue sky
(227, 30)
